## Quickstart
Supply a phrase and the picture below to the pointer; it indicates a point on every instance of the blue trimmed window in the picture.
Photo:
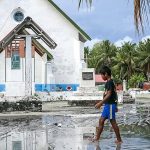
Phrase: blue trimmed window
(15, 60)
(17, 145)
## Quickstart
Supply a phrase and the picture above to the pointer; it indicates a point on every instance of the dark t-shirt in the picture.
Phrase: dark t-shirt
(110, 86)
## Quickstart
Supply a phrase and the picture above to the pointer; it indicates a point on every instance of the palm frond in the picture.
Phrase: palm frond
(141, 9)
(88, 2)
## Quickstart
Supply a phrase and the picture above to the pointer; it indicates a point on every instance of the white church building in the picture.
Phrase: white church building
(41, 48)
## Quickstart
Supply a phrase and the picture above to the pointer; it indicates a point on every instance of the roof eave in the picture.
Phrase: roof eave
(85, 35)
(28, 22)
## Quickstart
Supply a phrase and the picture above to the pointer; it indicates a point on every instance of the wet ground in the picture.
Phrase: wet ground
(69, 129)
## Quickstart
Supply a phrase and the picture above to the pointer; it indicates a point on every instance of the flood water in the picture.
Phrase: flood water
(70, 128)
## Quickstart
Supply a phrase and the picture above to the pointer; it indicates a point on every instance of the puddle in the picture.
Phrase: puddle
(66, 131)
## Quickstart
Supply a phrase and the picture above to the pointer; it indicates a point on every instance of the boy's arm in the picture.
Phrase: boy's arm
(98, 105)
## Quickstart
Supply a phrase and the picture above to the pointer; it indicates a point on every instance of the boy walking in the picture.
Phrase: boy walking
(110, 105)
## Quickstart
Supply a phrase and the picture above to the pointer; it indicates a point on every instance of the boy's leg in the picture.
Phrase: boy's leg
(100, 128)
(116, 129)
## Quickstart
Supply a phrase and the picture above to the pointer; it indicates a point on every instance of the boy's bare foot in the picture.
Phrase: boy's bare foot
(118, 142)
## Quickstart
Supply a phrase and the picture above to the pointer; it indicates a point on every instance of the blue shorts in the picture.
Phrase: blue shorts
(109, 111)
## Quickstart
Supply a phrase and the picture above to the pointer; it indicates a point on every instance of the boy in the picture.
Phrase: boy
(110, 105)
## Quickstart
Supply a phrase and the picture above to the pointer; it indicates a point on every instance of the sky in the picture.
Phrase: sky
(105, 20)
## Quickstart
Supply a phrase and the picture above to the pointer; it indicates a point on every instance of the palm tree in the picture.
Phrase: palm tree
(125, 60)
(120, 66)
(107, 53)
(102, 54)
(141, 7)
(136, 79)
(94, 56)
(144, 57)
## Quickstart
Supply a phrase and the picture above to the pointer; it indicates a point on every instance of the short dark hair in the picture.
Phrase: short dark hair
(104, 70)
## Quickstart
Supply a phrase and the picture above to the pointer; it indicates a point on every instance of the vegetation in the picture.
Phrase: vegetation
(129, 62)
(136, 79)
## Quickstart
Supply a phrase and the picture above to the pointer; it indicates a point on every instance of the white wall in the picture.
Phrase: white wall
(2, 67)
(39, 69)
(77, 58)
(58, 28)
(15, 79)
(14, 74)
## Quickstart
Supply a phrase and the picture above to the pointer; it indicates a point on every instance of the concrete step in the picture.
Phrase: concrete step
(143, 96)
(127, 97)
(129, 100)
(47, 106)
(67, 105)
(82, 102)
(87, 94)
(87, 89)
(79, 98)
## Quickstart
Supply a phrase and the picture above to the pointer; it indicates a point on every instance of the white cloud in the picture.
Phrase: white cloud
(145, 38)
(92, 42)
(119, 43)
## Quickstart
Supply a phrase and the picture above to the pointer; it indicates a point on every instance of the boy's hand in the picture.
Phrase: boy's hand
(98, 105)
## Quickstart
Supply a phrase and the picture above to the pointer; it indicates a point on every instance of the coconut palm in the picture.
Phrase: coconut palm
(108, 51)
(141, 7)
(135, 79)
(120, 67)
(94, 56)
(102, 54)
(125, 60)
(144, 57)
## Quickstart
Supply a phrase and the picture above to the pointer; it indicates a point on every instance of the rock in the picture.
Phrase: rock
(59, 124)
(88, 135)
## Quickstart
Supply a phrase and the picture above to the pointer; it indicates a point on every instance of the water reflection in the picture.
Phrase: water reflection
(38, 140)
(98, 147)
(55, 138)
(65, 132)
(24, 140)
(118, 147)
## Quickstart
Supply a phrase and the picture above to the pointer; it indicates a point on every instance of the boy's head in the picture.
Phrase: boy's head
(105, 72)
